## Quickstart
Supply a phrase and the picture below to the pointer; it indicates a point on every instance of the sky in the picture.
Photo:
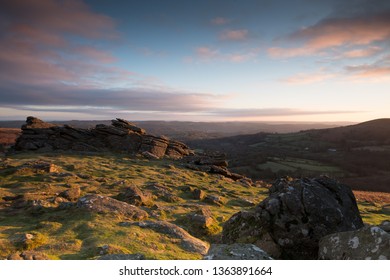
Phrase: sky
(222, 60)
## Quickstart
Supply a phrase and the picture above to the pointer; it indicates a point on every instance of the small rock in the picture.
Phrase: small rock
(199, 194)
(236, 252)
(28, 255)
(214, 199)
(122, 257)
(71, 194)
(202, 223)
(135, 196)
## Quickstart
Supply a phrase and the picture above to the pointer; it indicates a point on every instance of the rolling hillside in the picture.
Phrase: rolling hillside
(357, 154)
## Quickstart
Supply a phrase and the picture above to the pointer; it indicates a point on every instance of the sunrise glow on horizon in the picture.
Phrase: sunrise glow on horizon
(299, 60)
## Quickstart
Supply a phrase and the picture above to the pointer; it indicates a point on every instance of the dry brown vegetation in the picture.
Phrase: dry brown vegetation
(8, 135)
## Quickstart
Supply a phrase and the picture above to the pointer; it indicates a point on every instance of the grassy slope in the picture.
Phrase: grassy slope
(72, 234)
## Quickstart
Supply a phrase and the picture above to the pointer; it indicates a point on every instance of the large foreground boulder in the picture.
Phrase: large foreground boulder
(290, 222)
(368, 243)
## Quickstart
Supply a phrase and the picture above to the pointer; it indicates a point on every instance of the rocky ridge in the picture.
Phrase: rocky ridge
(121, 136)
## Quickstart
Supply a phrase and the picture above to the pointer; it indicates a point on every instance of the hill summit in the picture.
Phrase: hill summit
(121, 136)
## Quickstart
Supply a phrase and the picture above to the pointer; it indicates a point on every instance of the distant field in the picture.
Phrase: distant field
(293, 164)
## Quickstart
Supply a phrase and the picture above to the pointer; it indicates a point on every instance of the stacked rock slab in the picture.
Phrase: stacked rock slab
(296, 215)
(121, 136)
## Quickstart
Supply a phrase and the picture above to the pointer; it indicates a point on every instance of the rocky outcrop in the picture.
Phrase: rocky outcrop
(106, 205)
(212, 163)
(368, 243)
(236, 252)
(290, 222)
(121, 136)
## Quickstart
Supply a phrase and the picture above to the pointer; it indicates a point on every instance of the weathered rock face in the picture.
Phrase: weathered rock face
(291, 221)
(236, 252)
(368, 243)
(121, 136)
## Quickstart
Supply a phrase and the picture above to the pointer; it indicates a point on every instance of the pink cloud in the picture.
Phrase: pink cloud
(378, 70)
(289, 52)
(234, 35)
(337, 32)
(219, 21)
(358, 53)
(94, 54)
(70, 16)
(361, 30)
(36, 49)
(208, 54)
(308, 78)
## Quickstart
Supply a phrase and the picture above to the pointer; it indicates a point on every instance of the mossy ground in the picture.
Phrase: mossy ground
(73, 234)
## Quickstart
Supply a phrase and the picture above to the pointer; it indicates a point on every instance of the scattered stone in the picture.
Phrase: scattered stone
(296, 215)
(214, 199)
(28, 255)
(84, 176)
(72, 194)
(165, 193)
(236, 251)
(188, 242)
(37, 167)
(198, 194)
(102, 204)
(135, 196)
(122, 257)
(368, 243)
(14, 256)
(202, 223)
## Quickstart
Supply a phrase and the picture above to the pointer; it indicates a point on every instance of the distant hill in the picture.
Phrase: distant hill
(357, 154)
(376, 130)
(184, 131)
